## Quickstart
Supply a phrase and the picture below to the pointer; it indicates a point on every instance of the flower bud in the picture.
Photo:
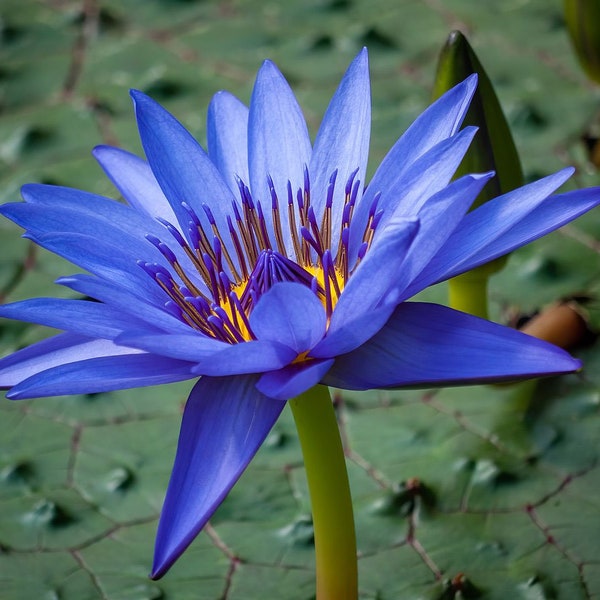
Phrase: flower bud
(493, 148)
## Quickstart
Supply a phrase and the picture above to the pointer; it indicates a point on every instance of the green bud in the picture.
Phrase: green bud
(493, 148)
(583, 23)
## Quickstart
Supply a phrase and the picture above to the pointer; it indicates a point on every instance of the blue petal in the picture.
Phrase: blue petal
(371, 290)
(553, 213)
(278, 143)
(125, 301)
(133, 177)
(227, 137)
(213, 357)
(249, 357)
(293, 380)
(355, 332)
(126, 368)
(189, 346)
(404, 195)
(181, 167)
(224, 423)
(52, 352)
(92, 319)
(486, 227)
(291, 314)
(426, 345)
(441, 120)
(342, 142)
(108, 261)
(438, 218)
(54, 209)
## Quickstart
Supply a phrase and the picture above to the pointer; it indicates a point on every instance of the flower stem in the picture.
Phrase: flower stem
(333, 520)
(469, 293)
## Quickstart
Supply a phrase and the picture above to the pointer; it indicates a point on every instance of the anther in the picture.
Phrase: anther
(162, 248)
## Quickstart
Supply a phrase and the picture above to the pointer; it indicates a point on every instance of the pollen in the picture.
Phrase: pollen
(213, 281)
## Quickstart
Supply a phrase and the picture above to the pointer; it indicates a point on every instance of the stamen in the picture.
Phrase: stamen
(217, 234)
(238, 250)
(292, 222)
(307, 236)
(373, 220)
(228, 325)
(326, 221)
(264, 236)
(329, 271)
(316, 234)
(162, 248)
(218, 328)
(326, 260)
(276, 216)
(236, 279)
(242, 314)
(214, 286)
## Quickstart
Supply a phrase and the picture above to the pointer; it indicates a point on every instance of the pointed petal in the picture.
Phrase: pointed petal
(125, 301)
(438, 218)
(278, 142)
(293, 380)
(212, 356)
(60, 205)
(291, 314)
(427, 345)
(55, 351)
(189, 346)
(368, 290)
(342, 142)
(53, 209)
(355, 332)
(227, 136)
(441, 120)
(92, 319)
(403, 194)
(108, 261)
(490, 222)
(133, 177)
(181, 167)
(249, 357)
(553, 213)
(127, 368)
(224, 423)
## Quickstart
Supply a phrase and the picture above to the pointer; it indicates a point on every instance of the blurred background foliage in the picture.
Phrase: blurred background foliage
(486, 492)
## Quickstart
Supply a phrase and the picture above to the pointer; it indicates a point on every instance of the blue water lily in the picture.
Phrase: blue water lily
(266, 266)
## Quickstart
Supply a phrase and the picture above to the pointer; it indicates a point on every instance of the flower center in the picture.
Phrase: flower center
(212, 283)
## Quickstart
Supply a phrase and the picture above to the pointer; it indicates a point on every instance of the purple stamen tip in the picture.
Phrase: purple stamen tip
(190, 211)
(209, 215)
(363, 250)
(376, 219)
(350, 181)
(306, 180)
(173, 231)
(236, 211)
(172, 308)
(355, 188)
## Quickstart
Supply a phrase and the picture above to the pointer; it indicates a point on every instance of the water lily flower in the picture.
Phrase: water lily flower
(266, 266)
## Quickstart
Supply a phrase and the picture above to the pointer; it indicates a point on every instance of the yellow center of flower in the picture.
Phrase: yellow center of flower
(228, 276)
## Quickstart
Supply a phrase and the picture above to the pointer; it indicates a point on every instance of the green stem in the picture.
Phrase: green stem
(333, 520)
(469, 293)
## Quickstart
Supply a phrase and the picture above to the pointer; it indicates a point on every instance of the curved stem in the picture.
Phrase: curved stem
(333, 520)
